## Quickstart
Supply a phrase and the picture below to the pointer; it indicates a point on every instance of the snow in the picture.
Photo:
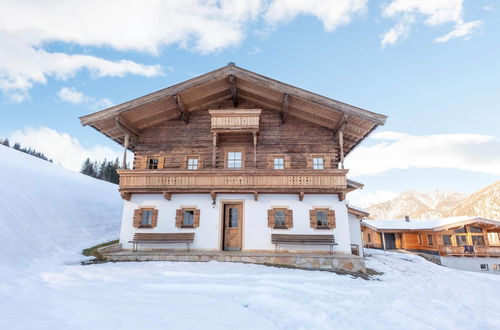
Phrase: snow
(424, 224)
(48, 214)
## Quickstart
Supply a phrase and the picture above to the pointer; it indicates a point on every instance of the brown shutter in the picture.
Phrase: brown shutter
(289, 219)
(178, 218)
(161, 162)
(196, 222)
(270, 161)
(154, 218)
(312, 219)
(270, 218)
(328, 161)
(288, 163)
(200, 162)
(137, 218)
(309, 162)
(331, 219)
(183, 162)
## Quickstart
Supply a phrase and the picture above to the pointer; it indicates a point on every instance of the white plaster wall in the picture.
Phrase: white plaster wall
(470, 264)
(355, 232)
(256, 233)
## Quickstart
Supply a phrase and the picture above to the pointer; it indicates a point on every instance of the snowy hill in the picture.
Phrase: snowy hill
(440, 204)
(47, 211)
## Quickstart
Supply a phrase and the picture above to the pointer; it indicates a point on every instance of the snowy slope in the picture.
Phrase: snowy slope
(47, 211)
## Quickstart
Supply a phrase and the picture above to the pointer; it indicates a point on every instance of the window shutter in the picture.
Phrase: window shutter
(183, 162)
(154, 218)
(200, 162)
(288, 163)
(289, 219)
(161, 162)
(309, 162)
(270, 218)
(312, 219)
(270, 161)
(137, 218)
(331, 219)
(328, 161)
(196, 222)
(178, 218)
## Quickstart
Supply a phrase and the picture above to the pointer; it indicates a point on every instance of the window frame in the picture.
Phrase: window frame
(197, 158)
(327, 210)
(226, 159)
(152, 158)
(430, 240)
(184, 210)
(450, 238)
(150, 224)
(485, 268)
(323, 161)
(282, 158)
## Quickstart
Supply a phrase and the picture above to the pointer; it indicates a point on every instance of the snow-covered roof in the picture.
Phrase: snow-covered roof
(427, 224)
(358, 211)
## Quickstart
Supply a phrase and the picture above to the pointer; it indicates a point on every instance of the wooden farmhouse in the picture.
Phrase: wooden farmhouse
(232, 163)
(468, 243)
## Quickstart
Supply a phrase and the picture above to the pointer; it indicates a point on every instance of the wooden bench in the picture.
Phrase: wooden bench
(303, 240)
(161, 238)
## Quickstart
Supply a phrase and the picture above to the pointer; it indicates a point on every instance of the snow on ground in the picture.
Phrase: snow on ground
(48, 214)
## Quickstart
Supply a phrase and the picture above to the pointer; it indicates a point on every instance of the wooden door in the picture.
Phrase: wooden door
(232, 227)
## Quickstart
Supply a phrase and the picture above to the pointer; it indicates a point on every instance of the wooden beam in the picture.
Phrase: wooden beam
(181, 109)
(126, 141)
(255, 196)
(341, 148)
(167, 195)
(232, 85)
(341, 195)
(301, 196)
(125, 195)
(340, 126)
(214, 150)
(255, 149)
(122, 126)
(213, 195)
(284, 108)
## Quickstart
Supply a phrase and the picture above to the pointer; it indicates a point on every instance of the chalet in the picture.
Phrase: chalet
(468, 243)
(235, 166)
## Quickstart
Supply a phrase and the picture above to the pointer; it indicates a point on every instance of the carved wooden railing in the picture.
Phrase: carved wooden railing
(479, 251)
(330, 180)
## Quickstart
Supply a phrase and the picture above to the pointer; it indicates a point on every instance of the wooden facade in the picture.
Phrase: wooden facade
(286, 140)
(481, 236)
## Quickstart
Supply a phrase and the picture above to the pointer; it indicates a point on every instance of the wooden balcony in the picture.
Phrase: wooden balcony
(242, 120)
(233, 181)
(479, 251)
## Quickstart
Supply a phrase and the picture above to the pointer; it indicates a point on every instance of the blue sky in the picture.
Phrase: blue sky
(432, 67)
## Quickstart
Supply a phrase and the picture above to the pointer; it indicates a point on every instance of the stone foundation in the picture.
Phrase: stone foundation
(331, 262)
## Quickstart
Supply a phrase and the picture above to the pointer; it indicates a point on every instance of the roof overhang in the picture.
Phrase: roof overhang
(233, 83)
(489, 224)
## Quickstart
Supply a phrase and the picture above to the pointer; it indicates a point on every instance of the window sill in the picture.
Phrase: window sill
(144, 226)
(281, 227)
(187, 227)
(324, 228)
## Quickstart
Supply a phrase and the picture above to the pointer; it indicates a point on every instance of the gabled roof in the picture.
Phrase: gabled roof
(428, 224)
(233, 83)
(357, 211)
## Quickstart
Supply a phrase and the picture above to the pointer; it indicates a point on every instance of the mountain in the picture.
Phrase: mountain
(485, 202)
(46, 210)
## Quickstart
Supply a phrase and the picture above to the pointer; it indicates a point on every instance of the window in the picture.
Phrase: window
(495, 267)
(279, 218)
(188, 218)
(192, 163)
(460, 230)
(233, 217)
(447, 240)
(477, 239)
(234, 159)
(322, 218)
(461, 240)
(475, 230)
(146, 218)
(152, 163)
(369, 238)
(318, 163)
(430, 240)
(484, 266)
(279, 163)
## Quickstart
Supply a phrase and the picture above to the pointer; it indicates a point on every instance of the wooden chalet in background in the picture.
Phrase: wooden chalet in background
(241, 161)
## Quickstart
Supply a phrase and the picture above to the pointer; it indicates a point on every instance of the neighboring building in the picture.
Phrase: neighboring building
(468, 243)
(234, 157)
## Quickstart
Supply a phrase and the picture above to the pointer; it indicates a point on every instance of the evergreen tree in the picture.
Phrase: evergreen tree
(5, 142)
(105, 170)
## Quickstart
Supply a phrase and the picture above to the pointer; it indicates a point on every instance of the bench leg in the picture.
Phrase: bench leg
(331, 248)
(187, 246)
(276, 248)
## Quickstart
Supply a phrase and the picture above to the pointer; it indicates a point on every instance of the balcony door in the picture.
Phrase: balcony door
(232, 227)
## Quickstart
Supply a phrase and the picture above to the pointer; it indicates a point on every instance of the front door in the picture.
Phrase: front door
(232, 227)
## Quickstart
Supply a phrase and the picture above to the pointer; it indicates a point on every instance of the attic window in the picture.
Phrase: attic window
(192, 163)
(318, 163)
(279, 163)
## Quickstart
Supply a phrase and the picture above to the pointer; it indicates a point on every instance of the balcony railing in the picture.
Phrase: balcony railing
(308, 181)
(478, 251)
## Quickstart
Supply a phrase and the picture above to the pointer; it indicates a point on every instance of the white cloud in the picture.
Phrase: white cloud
(71, 95)
(471, 152)
(435, 13)
(488, 7)
(363, 198)
(331, 13)
(461, 30)
(62, 148)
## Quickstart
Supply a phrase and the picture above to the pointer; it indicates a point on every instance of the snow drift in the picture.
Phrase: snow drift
(47, 211)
